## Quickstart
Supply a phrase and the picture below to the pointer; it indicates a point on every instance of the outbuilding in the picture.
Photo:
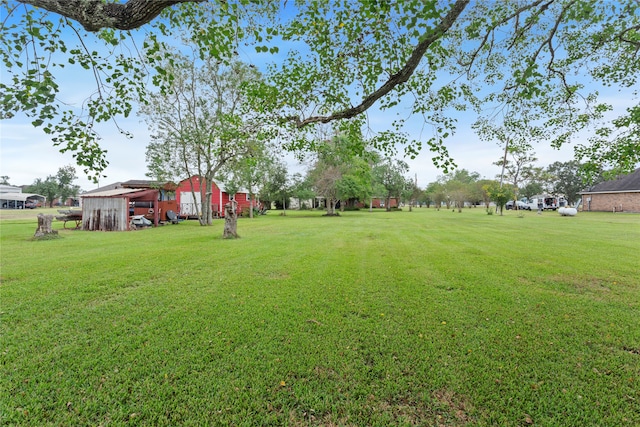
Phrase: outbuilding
(111, 210)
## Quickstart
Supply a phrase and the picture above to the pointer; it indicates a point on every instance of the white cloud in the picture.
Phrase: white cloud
(28, 153)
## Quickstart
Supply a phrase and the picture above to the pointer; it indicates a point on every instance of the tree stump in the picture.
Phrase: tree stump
(230, 220)
(44, 226)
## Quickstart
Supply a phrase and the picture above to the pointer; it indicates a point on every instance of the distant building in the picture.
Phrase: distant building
(12, 197)
(620, 195)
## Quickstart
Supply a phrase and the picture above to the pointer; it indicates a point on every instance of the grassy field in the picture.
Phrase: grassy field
(370, 319)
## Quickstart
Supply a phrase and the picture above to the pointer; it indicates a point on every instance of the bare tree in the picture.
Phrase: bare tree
(200, 123)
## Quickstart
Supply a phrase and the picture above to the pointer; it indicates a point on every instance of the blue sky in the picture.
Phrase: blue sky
(26, 153)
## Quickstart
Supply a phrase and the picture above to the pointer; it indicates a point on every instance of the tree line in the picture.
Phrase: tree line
(353, 182)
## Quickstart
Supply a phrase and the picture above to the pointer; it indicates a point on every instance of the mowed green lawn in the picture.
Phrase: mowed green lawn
(370, 319)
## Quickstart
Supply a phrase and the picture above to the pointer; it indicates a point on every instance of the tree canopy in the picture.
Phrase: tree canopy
(59, 186)
(201, 123)
(531, 59)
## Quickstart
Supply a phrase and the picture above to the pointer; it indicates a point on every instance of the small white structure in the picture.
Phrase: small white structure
(568, 211)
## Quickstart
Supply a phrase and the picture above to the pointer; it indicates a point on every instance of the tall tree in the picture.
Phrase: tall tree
(500, 194)
(517, 167)
(566, 179)
(531, 189)
(391, 176)
(302, 189)
(47, 187)
(355, 185)
(516, 136)
(58, 186)
(516, 57)
(411, 193)
(275, 188)
(201, 122)
(438, 194)
(459, 186)
(249, 171)
(482, 190)
(341, 171)
(65, 177)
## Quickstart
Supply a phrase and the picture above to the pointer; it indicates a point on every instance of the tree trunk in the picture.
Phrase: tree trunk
(209, 208)
(331, 206)
(200, 210)
(230, 220)
(44, 226)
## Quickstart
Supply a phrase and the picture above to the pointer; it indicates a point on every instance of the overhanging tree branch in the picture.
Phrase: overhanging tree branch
(94, 15)
(396, 79)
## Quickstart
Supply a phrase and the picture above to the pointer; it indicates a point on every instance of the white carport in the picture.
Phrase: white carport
(17, 200)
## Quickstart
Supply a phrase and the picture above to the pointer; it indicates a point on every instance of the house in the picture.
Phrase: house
(379, 202)
(196, 186)
(110, 210)
(620, 195)
(166, 194)
(295, 203)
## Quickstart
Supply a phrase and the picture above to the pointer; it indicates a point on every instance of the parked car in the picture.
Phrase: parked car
(521, 205)
(30, 204)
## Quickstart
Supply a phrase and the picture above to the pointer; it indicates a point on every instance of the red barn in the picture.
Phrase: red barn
(196, 186)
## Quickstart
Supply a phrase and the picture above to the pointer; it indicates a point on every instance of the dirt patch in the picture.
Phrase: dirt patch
(310, 418)
(444, 409)
(583, 283)
(457, 409)
(278, 275)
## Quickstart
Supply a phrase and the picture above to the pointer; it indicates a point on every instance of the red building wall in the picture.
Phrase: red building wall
(218, 197)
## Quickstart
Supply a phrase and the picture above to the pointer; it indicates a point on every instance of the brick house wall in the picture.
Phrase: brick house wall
(377, 202)
(606, 202)
(621, 195)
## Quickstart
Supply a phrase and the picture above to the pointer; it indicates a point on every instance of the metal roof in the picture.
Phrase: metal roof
(103, 188)
(21, 197)
(115, 192)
